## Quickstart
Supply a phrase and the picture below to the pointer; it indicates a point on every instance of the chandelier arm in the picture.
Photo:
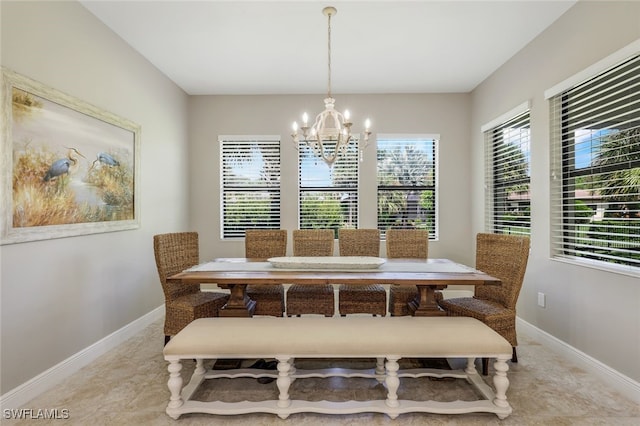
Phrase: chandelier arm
(319, 148)
(328, 158)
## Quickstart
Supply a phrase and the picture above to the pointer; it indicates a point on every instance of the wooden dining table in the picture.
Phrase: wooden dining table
(428, 275)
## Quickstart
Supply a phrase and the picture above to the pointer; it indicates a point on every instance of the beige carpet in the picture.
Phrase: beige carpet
(127, 386)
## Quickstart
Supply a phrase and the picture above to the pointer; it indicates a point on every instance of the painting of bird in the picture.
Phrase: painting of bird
(72, 166)
(104, 158)
(63, 166)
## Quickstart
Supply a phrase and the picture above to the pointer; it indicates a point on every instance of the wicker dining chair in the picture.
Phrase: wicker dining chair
(263, 244)
(307, 298)
(405, 244)
(184, 303)
(504, 257)
(361, 299)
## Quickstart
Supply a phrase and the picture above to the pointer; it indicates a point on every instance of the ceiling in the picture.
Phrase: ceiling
(280, 47)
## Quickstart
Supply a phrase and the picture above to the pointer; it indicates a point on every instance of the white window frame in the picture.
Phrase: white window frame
(225, 187)
(492, 191)
(553, 95)
(409, 138)
(352, 158)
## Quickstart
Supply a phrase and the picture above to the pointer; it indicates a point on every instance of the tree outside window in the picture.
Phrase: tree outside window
(407, 183)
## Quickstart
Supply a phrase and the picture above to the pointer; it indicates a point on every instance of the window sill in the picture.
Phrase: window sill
(627, 270)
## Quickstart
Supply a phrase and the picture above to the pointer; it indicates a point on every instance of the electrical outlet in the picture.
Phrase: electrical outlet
(542, 300)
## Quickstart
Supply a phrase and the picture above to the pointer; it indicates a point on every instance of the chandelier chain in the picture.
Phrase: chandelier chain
(329, 55)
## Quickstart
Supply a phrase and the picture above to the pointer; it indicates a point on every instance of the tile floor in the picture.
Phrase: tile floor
(127, 386)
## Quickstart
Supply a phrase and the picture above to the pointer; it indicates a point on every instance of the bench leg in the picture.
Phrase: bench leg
(380, 373)
(471, 366)
(283, 382)
(392, 382)
(501, 383)
(200, 366)
(292, 369)
(175, 385)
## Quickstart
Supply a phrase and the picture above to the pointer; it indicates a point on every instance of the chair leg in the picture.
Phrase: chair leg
(514, 355)
(166, 340)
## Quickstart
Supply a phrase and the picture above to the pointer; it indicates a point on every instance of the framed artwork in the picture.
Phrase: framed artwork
(68, 167)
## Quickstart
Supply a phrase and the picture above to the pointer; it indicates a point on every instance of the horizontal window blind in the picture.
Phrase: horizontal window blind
(407, 176)
(596, 168)
(508, 176)
(328, 196)
(250, 177)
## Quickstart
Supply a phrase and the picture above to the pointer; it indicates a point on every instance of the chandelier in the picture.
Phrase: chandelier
(330, 135)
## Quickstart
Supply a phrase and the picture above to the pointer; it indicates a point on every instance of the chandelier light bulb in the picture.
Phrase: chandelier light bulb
(305, 118)
(295, 127)
(347, 115)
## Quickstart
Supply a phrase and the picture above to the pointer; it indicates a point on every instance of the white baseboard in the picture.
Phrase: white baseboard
(623, 384)
(24, 393)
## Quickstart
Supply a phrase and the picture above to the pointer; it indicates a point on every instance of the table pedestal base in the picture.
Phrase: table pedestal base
(427, 306)
(239, 304)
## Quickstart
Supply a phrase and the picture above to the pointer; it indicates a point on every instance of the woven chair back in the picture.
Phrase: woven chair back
(359, 242)
(407, 243)
(313, 242)
(265, 243)
(174, 253)
(504, 257)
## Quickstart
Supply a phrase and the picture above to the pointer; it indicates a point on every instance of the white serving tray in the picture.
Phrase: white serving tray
(326, 262)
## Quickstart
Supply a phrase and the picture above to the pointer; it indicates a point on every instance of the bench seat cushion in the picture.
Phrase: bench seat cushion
(351, 337)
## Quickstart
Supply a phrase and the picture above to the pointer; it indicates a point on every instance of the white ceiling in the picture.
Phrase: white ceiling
(280, 47)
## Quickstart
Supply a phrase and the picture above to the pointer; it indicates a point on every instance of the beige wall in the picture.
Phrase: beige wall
(443, 114)
(60, 296)
(594, 311)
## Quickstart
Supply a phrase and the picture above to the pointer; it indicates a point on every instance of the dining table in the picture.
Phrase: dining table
(427, 275)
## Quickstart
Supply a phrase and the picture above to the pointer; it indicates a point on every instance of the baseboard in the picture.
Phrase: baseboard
(24, 393)
(623, 384)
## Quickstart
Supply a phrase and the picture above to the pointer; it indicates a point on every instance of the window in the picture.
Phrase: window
(407, 176)
(507, 176)
(328, 196)
(250, 178)
(596, 168)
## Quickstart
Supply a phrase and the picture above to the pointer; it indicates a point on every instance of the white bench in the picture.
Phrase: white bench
(387, 339)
